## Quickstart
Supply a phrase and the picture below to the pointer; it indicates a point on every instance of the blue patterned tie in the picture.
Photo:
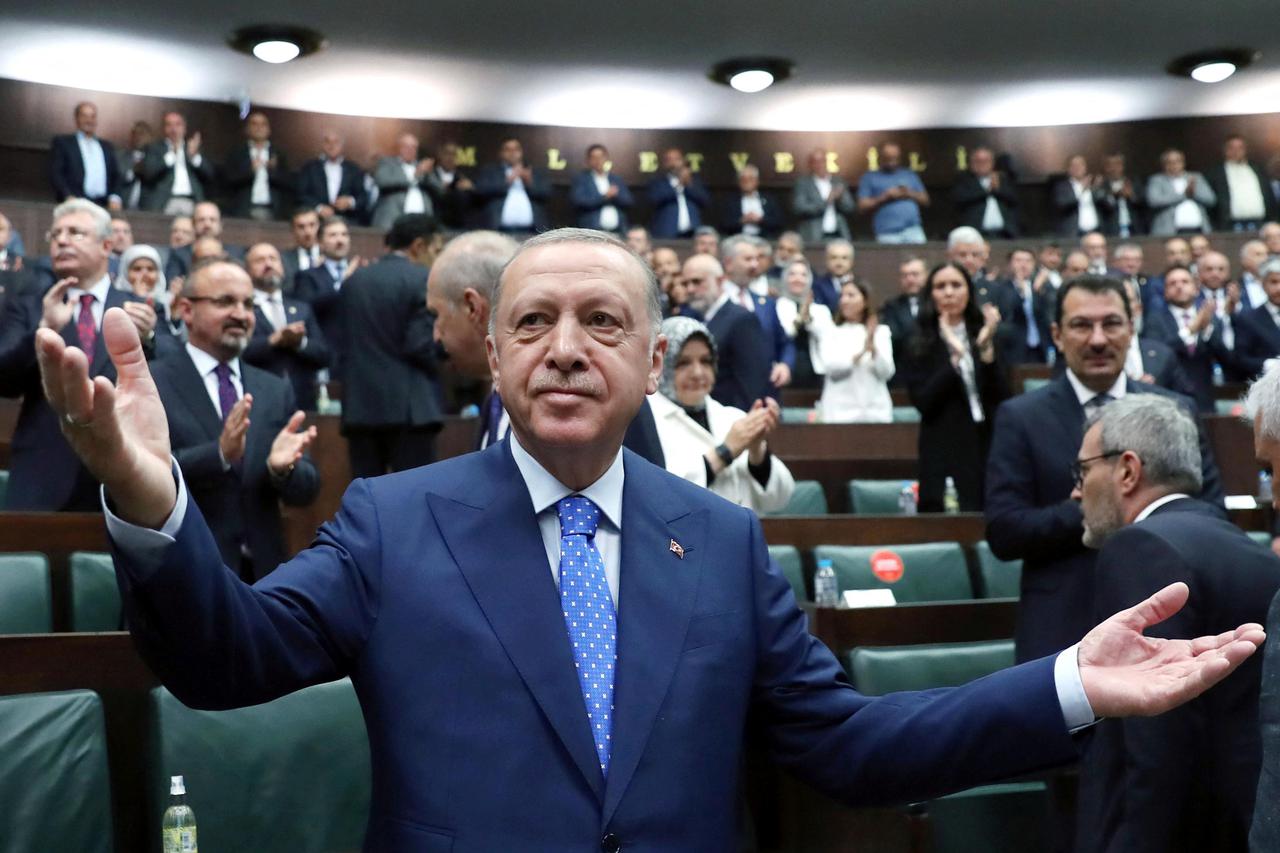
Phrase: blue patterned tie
(589, 616)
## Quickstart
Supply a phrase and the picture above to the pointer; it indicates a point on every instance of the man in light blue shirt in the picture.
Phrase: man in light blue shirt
(895, 195)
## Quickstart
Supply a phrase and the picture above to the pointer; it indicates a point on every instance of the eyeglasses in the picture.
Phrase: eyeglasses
(1078, 469)
(75, 235)
(224, 303)
(1112, 327)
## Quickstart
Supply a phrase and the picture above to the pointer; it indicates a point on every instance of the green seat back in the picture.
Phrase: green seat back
(1000, 578)
(877, 670)
(788, 559)
(1229, 407)
(95, 598)
(25, 599)
(1033, 383)
(292, 774)
(807, 499)
(53, 774)
(934, 571)
(1262, 537)
(4, 487)
(875, 497)
(906, 415)
(798, 415)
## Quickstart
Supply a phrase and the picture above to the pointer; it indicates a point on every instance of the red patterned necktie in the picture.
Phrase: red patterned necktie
(86, 328)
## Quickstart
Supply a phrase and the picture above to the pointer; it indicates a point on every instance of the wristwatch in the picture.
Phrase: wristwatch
(725, 454)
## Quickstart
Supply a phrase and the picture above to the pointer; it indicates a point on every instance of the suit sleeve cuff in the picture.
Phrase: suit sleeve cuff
(1076, 710)
(144, 544)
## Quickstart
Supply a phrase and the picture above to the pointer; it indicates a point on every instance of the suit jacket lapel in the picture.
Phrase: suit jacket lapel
(655, 600)
(494, 539)
(190, 386)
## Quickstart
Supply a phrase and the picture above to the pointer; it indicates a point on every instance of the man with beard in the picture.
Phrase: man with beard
(286, 335)
(1185, 780)
(235, 431)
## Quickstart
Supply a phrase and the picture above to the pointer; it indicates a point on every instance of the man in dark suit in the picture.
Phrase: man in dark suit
(741, 260)
(483, 571)
(287, 339)
(256, 174)
(899, 313)
(175, 175)
(234, 428)
(1149, 360)
(1258, 330)
(745, 351)
(391, 397)
(207, 221)
(331, 184)
(1124, 212)
(599, 196)
(750, 211)
(456, 209)
(1079, 200)
(1183, 781)
(1029, 511)
(84, 166)
(44, 473)
(513, 193)
(678, 198)
(1026, 312)
(986, 199)
(321, 288)
(129, 161)
(305, 252)
(827, 287)
(1193, 332)
(1253, 203)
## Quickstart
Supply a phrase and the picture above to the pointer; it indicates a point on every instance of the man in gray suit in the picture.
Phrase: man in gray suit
(406, 184)
(1180, 201)
(821, 200)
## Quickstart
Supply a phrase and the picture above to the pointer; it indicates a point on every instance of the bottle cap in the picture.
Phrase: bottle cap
(176, 787)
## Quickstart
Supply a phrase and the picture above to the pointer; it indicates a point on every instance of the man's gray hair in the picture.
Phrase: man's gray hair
(589, 237)
(1272, 265)
(1160, 432)
(792, 235)
(841, 243)
(964, 235)
(1125, 248)
(1249, 244)
(474, 259)
(749, 169)
(706, 231)
(729, 246)
(72, 206)
(1262, 405)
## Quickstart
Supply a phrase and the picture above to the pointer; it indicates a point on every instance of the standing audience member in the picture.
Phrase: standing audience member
(741, 258)
(391, 397)
(796, 309)
(455, 208)
(84, 166)
(1194, 333)
(750, 211)
(986, 198)
(899, 313)
(287, 339)
(257, 174)
(744, 352)
(600, 197)
(1180, 201)
(826, 288)
(1253, 255)
(331, 184)
(121, 241)
(956, 382)
(857, 360)
(893, 195)
(1124, 211)
(406, 184)
(305, 252)
(1026, 310)
(321, 287)
(129, 163)
(207, 221)
(678, 198)
(1258, 330)
(174, 174)
(1149, 360)
(1079, 200)
(1049, 264)
(177, 255)
(1244, 194)
(821, 200)
(513, 193)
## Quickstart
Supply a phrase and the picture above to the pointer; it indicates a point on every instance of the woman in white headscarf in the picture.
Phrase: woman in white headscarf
(796, 310)
(719, 447)
(142, 274)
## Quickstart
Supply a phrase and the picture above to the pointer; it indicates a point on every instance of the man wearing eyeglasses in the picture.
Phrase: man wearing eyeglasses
(1030, 514)
(1184, 780)
(44, 474)
(236, 430)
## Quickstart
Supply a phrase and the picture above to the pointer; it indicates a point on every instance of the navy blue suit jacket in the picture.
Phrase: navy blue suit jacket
(666, 206)
(587, 200)
(731, 216)
(1198, 366)
(491, 191)
(827, 292)
(784, 346)
(745, 357)
(313, 187)
(298, 366)
(1257, 339)
(1031, 517)
(431, 590)
(315, 286)
(66, 169)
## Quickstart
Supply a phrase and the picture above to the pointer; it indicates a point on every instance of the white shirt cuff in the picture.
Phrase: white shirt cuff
(1076, 709)
(143, 544)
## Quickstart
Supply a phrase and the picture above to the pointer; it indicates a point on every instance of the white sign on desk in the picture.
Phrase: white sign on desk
(854, 598)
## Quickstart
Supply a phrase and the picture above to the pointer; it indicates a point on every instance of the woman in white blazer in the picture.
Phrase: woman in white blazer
(719, 447)
(857, 353)
(795, 302)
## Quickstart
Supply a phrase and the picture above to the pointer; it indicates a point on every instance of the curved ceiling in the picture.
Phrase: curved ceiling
(859, 65)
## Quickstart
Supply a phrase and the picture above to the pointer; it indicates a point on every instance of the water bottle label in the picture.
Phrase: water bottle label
(180, 840)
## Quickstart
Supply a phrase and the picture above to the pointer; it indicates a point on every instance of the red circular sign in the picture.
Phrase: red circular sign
(887, 566)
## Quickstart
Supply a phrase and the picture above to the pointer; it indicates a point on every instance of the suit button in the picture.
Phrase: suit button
(610, 843)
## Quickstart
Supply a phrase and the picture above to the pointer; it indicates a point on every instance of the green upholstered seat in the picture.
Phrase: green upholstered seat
(25, 599)
(292, 774)
(798, 415)
(1032, 384)
(807, 499)
(935, 571)
(95, 598)
(875, 497)
(906, 415)
(1000, 578)
(877, 670)
(53, 774)
(788, 559)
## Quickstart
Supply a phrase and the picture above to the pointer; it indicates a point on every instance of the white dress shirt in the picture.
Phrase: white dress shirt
(751, 204)
(1087, 213)
(1156, 504)
(969, 375)
(333, 178)
(1187, 213)
(504, 427)
(413, 201)
(608, 213)
(830, 224)
(260, 195)
(1123, 218)
(683, 222)
(1133, 365)
(1253, 287)
(517, 210)
(1246, 193)
(1183, 317)
(175, 157)
(992, 218)
(205, 366)
(99, 292)
(95, 166)
(307, 258)
(1083, 394)
(272, 306)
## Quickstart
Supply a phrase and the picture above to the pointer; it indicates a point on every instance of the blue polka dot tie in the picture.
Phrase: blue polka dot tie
(589, 616)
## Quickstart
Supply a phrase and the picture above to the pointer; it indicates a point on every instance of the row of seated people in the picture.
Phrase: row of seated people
(172, 173)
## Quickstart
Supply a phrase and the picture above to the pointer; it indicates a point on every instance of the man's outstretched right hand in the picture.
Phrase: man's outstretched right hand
(118, 431)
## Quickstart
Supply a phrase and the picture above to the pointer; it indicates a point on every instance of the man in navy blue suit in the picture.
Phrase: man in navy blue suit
(287, 339)
(599, 196)
(741, 260)
(84, 166)
(827, 287)
(750, 211)
(556, 644)
(744, 352)
(513, 193)
(1258, 330)
(1191, 330)
(331, 184)
(678, 198)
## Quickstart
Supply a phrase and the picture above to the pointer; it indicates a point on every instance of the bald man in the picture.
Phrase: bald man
(332, 184)
(407, 183)
(256, 174)
(745, 352)
(750, 211)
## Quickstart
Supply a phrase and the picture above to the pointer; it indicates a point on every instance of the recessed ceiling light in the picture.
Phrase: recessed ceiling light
(751, 75)
(1212, 66)
(276, 43)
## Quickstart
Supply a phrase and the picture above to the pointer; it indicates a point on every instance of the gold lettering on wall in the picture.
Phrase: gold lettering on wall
(833, 162)
(648, 161)
(466, 155)
(914, 163)
(783, 162)
(555, 162)
(695, 161)
(873, 159)
(738, 159)
(962, 158)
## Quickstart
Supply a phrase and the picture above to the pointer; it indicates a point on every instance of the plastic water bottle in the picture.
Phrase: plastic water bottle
(826, 589)
(907, 498)
(950, 498)
(179, 824)
(1264, 487)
